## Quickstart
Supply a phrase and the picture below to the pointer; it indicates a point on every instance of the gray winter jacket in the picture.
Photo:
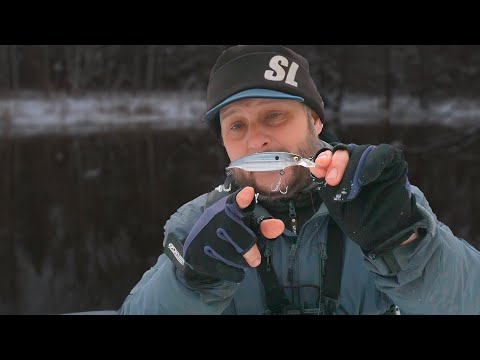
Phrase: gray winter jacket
(439, 274)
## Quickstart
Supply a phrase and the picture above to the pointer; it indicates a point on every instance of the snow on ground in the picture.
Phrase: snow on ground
(456, 112)
(33, 113)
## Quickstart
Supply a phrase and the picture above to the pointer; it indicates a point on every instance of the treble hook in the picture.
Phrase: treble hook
(277, 187)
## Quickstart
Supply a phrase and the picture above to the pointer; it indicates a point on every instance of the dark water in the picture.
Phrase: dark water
(81, 218)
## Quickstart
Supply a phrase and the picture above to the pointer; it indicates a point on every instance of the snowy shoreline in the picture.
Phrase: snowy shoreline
(34, 113)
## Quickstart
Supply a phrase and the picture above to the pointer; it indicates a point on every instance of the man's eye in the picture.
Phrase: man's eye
(275, 118)
(273, 115)
(236, 126)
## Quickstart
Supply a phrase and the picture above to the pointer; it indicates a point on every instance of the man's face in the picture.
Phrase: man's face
(257, 125)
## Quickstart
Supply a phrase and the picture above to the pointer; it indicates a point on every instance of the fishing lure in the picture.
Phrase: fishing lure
(270, 161)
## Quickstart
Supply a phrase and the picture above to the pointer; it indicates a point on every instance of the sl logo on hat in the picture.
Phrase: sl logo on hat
(278, 72)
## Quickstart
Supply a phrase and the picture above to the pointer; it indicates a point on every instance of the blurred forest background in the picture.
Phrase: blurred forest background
(82, 213)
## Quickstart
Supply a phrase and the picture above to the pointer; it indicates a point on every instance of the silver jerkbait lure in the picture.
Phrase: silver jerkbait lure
(270, 161)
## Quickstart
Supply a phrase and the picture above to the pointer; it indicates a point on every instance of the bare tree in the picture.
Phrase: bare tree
(138, 57)
(73, 62)
(14, 59)
(338, 96)
(47, 78)
(329, 68)
(4, 69)
(150, 71)
(424, 82)
(388, 84)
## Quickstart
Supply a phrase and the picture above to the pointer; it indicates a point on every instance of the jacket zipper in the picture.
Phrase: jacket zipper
(293, 216)
(293, 248)
(268, 255)
(323, 257)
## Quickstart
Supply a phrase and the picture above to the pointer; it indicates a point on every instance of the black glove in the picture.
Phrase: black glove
(373, 203)
(214, 247)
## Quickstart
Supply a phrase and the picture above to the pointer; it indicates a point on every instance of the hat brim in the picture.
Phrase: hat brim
(247, 94)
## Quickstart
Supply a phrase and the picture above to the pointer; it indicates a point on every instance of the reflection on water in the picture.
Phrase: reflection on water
(81, 218)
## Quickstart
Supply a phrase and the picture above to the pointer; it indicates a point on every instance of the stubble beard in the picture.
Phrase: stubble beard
(296, 177)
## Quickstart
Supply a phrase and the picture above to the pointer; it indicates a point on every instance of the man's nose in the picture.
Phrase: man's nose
(258, 140)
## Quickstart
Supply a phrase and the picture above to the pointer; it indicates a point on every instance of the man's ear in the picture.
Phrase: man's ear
(317, 123)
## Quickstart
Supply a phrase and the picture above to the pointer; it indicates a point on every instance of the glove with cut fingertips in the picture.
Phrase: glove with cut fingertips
(216, 244)
(373, 203)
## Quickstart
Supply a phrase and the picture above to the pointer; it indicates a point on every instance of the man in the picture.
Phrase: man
(347, 236)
